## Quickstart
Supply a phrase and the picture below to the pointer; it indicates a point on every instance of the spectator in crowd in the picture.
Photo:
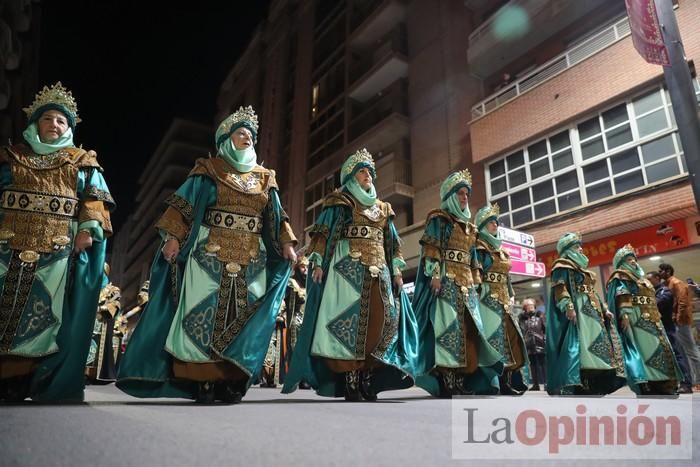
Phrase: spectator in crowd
(664, 301)
(532, 326)
(683, 317)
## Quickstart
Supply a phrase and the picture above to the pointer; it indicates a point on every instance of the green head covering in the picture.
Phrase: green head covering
(620, 261)
(54, 98)
(483, 216)
(361, 159)
(448, 194)
(566, 247)
(454, 182)
(243, 117)
(243, 160)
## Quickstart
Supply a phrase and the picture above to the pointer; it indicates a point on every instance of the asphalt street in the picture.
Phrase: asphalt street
(268, 428)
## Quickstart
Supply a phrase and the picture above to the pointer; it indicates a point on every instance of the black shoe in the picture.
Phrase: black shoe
(228, 392)
(366, 389)
(685, 389)
(352, 386)
(15, 390)
(205, 393)
(535, 387)
(304, 385)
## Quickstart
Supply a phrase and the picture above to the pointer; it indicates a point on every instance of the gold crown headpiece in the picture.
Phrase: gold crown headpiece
(243, 114)
(453, 180)
(361, 156)
(490, 211)
(57, 95)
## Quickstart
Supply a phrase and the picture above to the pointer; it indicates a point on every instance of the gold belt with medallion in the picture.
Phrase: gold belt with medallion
(495, 277)
(233, 221)
(643, 300)
(42, 203)
(457, 256)
(365, 232)
(584, 288)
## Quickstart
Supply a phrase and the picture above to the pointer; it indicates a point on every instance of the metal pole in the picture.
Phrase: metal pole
(680, 87)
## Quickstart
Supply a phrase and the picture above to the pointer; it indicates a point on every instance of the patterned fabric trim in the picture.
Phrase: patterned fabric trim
(100, 195)
(181, 205)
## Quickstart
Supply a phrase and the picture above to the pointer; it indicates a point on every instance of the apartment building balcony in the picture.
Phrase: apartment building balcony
(595, 43)
(379, 66)
(372, 19)
(489, 52)
(381, 121)
(393, 181)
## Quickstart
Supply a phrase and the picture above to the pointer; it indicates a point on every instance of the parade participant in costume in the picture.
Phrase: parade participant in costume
(55, 221)
(275, 363)
(455, 352)
(358, 336)
(129, 320)
(100, 367)
(649, 361)
(218, 280)
(296, 301)
(584, 352)
(495, 298)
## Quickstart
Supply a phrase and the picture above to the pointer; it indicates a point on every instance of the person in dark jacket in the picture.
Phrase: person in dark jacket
(664, 302)
(532, 327)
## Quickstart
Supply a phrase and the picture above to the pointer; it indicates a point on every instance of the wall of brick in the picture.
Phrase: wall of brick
(652, 207)
(595, 82)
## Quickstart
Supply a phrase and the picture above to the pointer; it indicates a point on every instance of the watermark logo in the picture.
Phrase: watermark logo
(572, 428)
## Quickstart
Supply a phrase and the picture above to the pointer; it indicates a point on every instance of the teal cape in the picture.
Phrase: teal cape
(60, 376)
(485, 380)
(399, 360)
(562, 343)
(662, 364)
(145, 369)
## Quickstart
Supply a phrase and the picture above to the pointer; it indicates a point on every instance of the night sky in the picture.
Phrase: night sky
(133, 66)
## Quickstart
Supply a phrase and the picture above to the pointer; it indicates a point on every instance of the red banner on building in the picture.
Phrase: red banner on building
(646, 242)
(646, 31)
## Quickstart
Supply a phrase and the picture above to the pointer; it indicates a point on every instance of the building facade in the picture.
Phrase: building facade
(546, 102)
(19, 64)
(134, 245)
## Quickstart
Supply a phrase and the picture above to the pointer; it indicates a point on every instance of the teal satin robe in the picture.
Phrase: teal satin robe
(399, 359)
(566, 357)
(485, 379)
(74, 282)
(648, 353)
(145, 369)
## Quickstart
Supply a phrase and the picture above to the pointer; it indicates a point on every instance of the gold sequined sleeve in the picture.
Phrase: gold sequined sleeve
(173, 223)
(95, 210)
(287, 234)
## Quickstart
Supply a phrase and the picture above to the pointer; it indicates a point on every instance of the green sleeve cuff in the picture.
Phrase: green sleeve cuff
(431, 264)
(315, 259)
(95, 229)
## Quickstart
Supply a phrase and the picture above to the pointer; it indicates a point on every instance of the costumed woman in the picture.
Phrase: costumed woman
(454, 350)
(359, 336)
(55, 221)
(218, 280)
(649, 360)
(583, 348)
(495, 302)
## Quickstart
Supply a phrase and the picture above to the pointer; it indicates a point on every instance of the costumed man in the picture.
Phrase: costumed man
(217, 283)
(296, 302)
(55, 221)
(100, 367)
(274, 366)
(583, 348)
(649, 360)
(128, 321)
(455, 353)
(359, 336)
(496, 297)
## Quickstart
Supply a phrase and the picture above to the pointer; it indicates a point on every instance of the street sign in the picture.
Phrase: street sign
(527, 268)
(646, 33)
(521, 253)
(514, 236)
